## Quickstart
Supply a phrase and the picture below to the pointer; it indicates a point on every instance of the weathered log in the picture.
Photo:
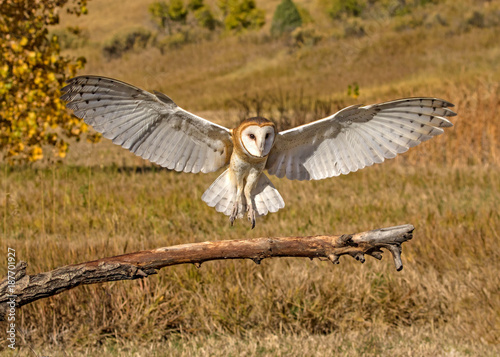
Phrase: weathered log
(24, 289)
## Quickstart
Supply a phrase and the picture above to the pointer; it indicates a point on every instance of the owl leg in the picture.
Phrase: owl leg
(238, 206)
(250, 204)
(251, 215)
(234, 213)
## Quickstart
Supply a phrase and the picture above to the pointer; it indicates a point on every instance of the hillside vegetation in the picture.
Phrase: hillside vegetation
(103, 201)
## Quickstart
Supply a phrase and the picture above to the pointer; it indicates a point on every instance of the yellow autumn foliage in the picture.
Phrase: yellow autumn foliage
(32, 72)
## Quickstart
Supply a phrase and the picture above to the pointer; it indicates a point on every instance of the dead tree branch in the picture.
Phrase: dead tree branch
(24, 289)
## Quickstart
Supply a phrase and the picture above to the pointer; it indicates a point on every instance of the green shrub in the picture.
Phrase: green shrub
(305, 15)
(205, 18)
(176, 11)
(353, 90)
(121, 43)
(408, 22)
(286, 18)
(194, 5)
(71, 37)
(165, 14)
(337, 8)
(159, 14)
(174, 41)
(305, 36)
(476, 20)
(354, 28)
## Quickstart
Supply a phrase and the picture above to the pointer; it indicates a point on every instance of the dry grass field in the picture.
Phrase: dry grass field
(103, 201)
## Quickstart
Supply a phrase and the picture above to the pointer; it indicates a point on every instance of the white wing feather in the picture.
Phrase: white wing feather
(150, 125)
(356, 137)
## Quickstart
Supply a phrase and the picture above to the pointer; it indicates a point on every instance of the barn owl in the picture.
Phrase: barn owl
(152, 126)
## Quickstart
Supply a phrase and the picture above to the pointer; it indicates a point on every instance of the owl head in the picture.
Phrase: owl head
(256, 136)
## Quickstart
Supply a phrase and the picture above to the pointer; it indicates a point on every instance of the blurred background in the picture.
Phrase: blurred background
(66, 196)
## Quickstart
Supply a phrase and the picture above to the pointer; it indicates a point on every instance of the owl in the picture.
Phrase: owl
(152, 126)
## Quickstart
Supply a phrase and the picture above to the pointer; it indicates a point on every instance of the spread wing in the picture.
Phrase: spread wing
(150, 125)
(356, 137)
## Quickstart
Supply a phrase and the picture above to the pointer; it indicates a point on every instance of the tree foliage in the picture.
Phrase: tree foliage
(32, 72)
(286, 18)
(165, 14)
(241, 14)
(177, 11)
(238, 15)
(205, 18)
(159, 14)
(194, 5)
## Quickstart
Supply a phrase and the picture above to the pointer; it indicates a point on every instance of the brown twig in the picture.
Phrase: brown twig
(24, 289)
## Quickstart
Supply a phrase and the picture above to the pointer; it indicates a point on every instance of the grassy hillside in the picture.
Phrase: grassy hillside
(390, 60)
(103, 201)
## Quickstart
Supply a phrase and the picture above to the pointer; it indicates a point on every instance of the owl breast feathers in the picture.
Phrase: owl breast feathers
(154, 127)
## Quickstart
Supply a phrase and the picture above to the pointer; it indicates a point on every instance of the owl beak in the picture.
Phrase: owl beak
(261, 148)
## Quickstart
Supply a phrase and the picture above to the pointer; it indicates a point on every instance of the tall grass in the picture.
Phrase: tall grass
(450, 280)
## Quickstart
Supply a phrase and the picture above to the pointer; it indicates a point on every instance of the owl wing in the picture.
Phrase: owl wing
(356, 137)
(150, 125)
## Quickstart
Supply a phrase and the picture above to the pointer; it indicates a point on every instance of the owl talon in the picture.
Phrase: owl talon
(251, 215)
(234, 213)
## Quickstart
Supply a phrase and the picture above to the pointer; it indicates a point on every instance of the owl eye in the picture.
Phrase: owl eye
(267, 135)
(252, 136)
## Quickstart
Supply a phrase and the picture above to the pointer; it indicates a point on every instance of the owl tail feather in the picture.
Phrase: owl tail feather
(222, 195)
(266, 196)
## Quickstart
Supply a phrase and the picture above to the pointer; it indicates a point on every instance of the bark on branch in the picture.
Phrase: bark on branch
(24, 289)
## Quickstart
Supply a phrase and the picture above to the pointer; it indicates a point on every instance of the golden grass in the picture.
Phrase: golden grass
(408, 341)
(63, 215)
(104, 201)
(385, 63)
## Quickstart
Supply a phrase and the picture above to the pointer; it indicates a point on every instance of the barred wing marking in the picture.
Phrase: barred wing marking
(356, 137)
(150, 125)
